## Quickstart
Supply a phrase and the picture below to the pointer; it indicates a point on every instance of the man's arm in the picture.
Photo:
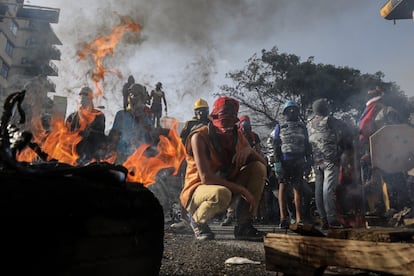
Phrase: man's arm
(165, 101)
(209, 177)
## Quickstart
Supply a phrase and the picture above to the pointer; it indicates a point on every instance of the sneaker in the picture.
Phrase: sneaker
(248, 232)
(284, 223)
(227, 221)
(179, 225)
(325, 225)
(201, 231)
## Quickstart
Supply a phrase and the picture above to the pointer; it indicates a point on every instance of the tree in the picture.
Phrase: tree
(269, 80)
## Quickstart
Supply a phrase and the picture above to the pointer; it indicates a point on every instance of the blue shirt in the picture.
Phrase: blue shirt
(133, 133)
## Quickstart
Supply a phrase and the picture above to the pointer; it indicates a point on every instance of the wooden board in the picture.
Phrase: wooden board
(302, 255)
(377, 234)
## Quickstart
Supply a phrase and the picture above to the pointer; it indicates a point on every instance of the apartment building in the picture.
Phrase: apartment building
(27, 50)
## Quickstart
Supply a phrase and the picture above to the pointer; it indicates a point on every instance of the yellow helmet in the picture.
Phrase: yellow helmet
(200, 103)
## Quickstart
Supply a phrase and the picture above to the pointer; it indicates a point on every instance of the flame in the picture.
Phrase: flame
(39, 136)
(104, 46)
(59, 142)
(171, 153)
(26, 155)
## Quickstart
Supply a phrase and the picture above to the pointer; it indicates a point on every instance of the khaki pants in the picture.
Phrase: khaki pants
(209, 200)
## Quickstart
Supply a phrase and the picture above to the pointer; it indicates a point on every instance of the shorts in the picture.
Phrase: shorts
(293, 172)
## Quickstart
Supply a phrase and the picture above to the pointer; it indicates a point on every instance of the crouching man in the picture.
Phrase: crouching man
(221, 165)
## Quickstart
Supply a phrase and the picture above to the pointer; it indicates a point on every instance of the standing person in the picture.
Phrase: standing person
(132, 127)
(157, 97)
(201, 112)
(125, 90)
(375, 115)
(91, 124)
(329, 138)
(245, 127)
(292, 158)
(220, 165)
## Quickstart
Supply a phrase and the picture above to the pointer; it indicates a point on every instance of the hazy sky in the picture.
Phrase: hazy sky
(189, 45)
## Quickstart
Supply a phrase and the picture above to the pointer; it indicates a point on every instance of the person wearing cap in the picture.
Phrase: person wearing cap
(292, 156)
(329, 137)
(201, 112)
(132, 127)
(375, 115)
(200, 118)
(91, 124)
(157, 97)
(220, 165)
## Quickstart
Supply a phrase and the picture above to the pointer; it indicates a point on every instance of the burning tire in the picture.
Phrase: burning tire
(83, 223)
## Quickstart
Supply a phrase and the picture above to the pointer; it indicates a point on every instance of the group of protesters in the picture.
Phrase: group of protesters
(226, 171)
(135, 124)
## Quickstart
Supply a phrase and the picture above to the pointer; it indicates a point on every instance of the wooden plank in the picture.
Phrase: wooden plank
(409, 221)
(302, 255)
(377, 234)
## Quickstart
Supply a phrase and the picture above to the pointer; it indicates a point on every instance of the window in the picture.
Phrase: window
(9, 48)
(4, 71)
(13, 27)
(31, 41)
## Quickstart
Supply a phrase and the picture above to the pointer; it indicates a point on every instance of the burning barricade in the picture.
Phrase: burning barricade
(75, 216)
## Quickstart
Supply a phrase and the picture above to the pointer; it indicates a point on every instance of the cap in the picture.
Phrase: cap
(200, 103)
(289, 104)
(225, 105)
(320, 107)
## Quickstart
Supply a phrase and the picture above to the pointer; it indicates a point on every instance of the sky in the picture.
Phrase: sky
(189, 45)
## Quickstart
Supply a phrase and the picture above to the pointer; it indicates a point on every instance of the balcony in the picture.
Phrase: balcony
(54, 53)
(50, 15)
(397, 9)
(31, 68)
(50, 70)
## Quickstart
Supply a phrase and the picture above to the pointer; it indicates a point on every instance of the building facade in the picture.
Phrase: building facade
(27, 50)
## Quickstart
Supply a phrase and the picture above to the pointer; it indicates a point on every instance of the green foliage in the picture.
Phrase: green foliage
(270, 79)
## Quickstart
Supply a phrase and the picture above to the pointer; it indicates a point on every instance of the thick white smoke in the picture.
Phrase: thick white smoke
(189, 45)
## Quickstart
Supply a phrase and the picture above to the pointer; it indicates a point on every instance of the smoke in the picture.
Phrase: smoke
(189, 45)
(183, 44)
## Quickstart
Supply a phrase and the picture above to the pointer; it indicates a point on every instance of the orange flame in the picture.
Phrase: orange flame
(171, 153)
(59, 143)
(39, 136)
(104, 46)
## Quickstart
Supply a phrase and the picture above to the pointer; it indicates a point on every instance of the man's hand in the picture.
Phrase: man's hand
(240, 158)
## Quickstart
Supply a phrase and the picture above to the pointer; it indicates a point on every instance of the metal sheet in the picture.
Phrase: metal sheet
(392, 148)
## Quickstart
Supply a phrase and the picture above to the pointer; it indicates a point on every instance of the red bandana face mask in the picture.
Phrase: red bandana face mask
(224, 114)
(224, 123)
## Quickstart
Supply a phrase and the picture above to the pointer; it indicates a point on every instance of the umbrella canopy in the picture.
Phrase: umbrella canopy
(392, 148)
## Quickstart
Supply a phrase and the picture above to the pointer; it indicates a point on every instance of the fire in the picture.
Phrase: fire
(59, 141)
(171, 153)
(104, 46)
